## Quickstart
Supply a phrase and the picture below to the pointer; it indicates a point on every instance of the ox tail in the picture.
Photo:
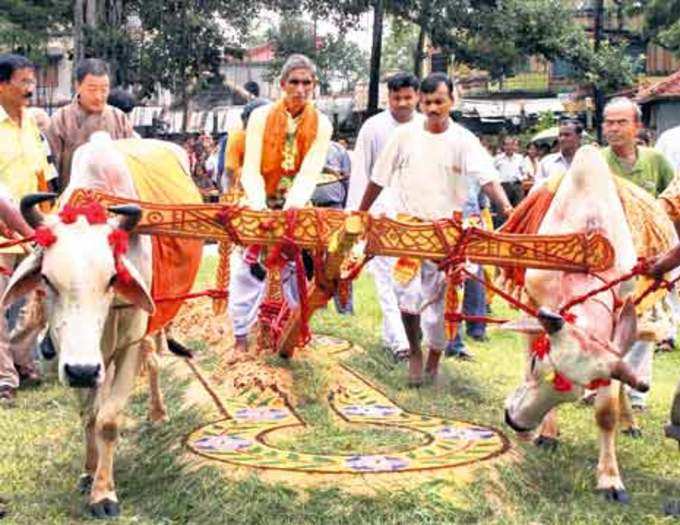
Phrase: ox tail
(179, 349)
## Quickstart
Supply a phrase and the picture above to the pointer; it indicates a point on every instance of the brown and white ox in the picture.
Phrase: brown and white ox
(591, 347)
(99, 345)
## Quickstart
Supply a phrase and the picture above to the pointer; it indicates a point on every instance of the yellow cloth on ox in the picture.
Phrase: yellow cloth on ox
(159, 178)
(670, 198)
(651, 229)
(652, 232)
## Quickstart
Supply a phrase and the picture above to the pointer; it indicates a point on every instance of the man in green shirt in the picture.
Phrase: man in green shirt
(648, 169)
(643, 166)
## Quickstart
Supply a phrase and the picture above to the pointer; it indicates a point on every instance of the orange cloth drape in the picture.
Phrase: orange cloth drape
(159, 178)
(274, 141)
(526, 219)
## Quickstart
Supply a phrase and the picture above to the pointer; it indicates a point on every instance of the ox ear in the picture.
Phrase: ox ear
(524, 325)
(25, 278)
(137, 291)
(625, 332)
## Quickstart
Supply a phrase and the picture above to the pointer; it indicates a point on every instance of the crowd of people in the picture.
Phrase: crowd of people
(275, 162)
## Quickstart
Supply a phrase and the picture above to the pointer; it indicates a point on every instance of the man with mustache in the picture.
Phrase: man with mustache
(647, 168)
(431, 166)
(285, 152)
(22, 164)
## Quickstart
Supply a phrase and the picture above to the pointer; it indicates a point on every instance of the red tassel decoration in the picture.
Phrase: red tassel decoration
(561, 383)
(44, 236)
(541, 346)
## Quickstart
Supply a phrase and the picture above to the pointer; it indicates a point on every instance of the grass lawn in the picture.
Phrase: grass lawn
(41, 450)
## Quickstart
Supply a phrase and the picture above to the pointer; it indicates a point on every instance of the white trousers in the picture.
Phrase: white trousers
(639, 358)
(393, 332)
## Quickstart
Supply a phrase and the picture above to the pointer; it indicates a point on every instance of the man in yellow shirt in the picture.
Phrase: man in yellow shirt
(22, 162)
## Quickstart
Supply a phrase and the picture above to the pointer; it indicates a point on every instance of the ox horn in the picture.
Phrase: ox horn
(32, 215)
(131, 215)
(550, 321)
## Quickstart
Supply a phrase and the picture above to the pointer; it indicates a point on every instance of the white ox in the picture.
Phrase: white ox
(592, 347)
(99, 345)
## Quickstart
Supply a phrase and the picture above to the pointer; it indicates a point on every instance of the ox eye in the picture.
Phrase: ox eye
(49, 284)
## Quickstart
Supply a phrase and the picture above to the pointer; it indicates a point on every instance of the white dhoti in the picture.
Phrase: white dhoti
(246, 293)
(393, 332)
(425, 295)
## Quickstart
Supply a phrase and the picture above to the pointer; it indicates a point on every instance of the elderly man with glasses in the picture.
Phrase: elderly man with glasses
(285, 152)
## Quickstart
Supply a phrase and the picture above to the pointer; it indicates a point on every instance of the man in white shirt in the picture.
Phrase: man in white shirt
(429, 167)
(286, 146)
(569, 140)
(669, 145)
(373, 135)
(510, 164)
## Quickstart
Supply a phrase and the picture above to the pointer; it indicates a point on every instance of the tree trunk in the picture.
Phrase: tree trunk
(78, 37)
(376, 48)
(420, 53)
(91, 13)
(597, 91)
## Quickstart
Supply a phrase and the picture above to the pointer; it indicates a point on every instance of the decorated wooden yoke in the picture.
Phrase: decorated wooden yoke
(329, 236)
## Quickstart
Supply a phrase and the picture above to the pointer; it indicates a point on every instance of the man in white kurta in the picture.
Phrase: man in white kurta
(297, 175)
(373, 135)
(429, 166)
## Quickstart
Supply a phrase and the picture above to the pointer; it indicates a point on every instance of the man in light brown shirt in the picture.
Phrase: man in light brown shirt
(72, 125)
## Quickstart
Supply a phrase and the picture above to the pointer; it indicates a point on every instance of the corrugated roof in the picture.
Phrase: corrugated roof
(669, 87)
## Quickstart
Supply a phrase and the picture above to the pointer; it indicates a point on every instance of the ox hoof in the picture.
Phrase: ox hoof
(633, 432)
(672, 508)
(672, 431)
(85, 483)
(617, 496)
(546, 443)
(105, 508)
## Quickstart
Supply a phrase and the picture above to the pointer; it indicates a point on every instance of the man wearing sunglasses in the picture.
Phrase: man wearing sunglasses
(286, 146)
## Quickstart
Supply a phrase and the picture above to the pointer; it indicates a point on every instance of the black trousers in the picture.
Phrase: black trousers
(515, 193)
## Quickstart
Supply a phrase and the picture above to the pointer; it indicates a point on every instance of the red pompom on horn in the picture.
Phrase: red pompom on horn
(68, 214)
(44, 237)
(94, 212)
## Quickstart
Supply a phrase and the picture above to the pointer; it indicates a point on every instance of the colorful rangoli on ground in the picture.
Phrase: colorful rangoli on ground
(253, 414)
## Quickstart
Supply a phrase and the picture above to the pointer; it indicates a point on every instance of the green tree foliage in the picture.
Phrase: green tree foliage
(662, 22)
(400, 45)
(27, 25)
(499, 35)
(180, 42)
(336, 58)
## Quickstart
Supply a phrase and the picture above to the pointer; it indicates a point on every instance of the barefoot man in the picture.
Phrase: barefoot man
(430, 166)
(286, 146)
